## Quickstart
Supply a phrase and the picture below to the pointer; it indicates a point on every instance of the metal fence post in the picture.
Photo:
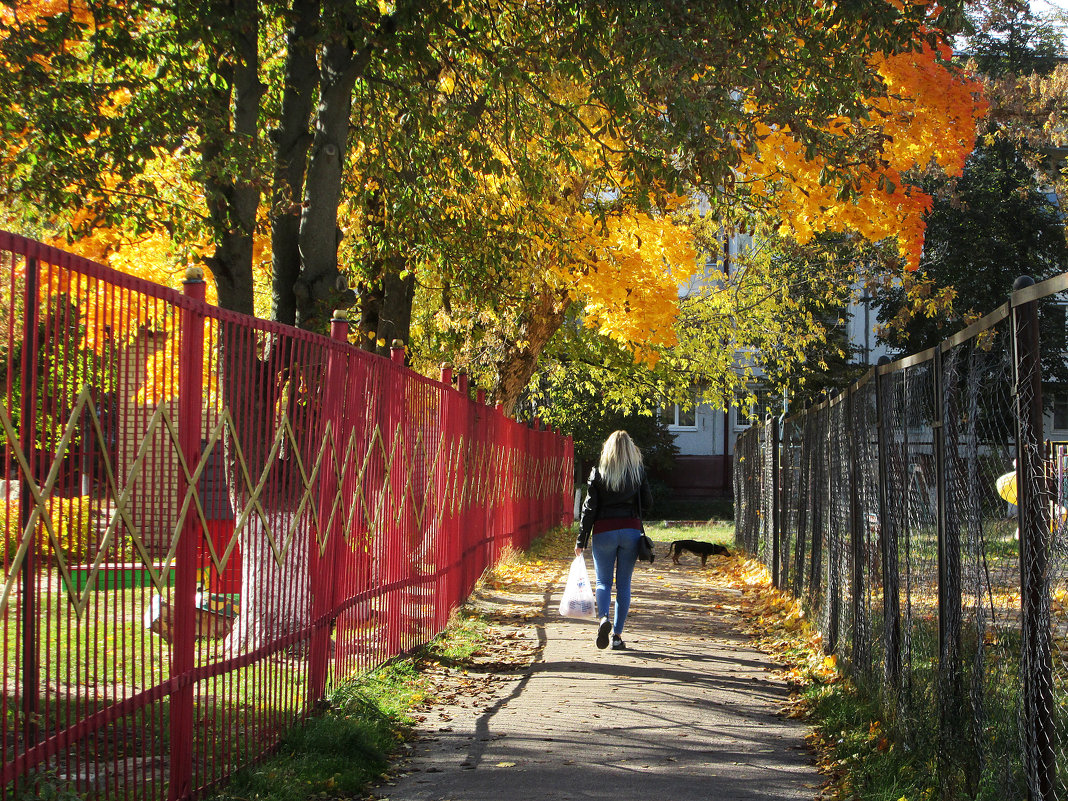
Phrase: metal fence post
(951, 692)
(1034, 522)
(887, 543)
(818, 490)
(856, 537)
(190, 421)
(773, 437)
(443, 518)
(939, 447)
(833, 538)
(803, 504)
(324, 558)
(27, 440)
(397, 576)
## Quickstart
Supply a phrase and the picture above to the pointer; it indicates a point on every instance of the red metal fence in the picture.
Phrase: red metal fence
(210, 519)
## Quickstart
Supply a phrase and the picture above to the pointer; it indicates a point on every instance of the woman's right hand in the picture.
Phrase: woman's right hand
(578, 551)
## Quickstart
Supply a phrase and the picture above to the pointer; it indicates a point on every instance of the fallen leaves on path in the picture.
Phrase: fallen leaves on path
(779, 627)
(778, 624)
(504, 601)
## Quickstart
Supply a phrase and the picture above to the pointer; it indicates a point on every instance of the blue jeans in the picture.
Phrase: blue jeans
(615, 552)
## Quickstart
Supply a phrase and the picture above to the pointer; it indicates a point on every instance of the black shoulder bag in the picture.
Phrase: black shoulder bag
(646, 552)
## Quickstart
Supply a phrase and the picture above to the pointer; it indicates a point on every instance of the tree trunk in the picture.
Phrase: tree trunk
(233, 199)
(275, 582)
(386, 299)
(386, 307)
(519, 362)
(273, 602)
(261, 393)
(321, 286)
(291, 139)
(308, 285)
(398, 293)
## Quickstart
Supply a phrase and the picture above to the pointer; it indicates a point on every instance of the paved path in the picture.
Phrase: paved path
(689, 711)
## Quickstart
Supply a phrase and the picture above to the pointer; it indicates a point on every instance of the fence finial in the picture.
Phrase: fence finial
(194, 274)
(1022, 282)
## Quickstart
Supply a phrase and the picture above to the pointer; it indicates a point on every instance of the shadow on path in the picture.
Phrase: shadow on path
(689, 711)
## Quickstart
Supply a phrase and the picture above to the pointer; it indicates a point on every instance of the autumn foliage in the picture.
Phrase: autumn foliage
(493, 167)
(926, 117)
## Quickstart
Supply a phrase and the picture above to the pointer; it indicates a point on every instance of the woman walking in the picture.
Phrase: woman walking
(617, 495)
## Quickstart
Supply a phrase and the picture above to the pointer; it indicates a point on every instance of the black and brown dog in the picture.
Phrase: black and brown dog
(702, 549)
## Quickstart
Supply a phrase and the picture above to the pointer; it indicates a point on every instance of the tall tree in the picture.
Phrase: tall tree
(506, 156)
(997, 220)
(995, 224)
(1007, 39)
(642, 100)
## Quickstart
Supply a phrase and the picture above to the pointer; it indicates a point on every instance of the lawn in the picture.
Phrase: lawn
(94, 660)
(665, 531)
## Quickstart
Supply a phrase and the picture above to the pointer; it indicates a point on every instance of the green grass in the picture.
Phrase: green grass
(722, 533)
(694, 509)
(873, 757)
(108, 644)
(884, 747)
(862, 755)
(106, 641)
(337, 753)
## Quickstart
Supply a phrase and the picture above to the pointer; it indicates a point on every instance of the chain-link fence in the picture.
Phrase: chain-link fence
(920, 517)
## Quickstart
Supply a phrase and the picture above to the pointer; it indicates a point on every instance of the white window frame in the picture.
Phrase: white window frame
(673, 414)
(750, 411)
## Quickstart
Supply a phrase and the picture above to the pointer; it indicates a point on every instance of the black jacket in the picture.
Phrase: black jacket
(603, 503)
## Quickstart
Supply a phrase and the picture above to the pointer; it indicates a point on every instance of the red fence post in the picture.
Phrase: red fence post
(190, 416)
(324, 560)
(394, 546)
(533, 441)
(450, 539)
(27, 439)
(480, 464)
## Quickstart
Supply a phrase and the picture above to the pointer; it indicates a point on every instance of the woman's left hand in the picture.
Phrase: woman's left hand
(578, 551)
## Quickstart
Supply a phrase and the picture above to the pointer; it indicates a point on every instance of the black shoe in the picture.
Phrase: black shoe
(617, 643)
(603, 628)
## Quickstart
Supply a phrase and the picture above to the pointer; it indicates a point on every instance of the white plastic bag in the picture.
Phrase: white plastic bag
(577, 600)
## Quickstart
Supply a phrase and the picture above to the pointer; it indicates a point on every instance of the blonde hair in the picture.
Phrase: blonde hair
(621, 462)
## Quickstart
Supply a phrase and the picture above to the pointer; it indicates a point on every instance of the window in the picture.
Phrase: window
(1060, 412)
(743, 414)
(749, 412)
(677, 417)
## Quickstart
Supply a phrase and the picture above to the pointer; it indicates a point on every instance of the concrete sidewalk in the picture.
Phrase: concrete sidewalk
(689, 711)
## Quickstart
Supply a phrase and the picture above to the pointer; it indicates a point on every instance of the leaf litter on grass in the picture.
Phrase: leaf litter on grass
(853, 749)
